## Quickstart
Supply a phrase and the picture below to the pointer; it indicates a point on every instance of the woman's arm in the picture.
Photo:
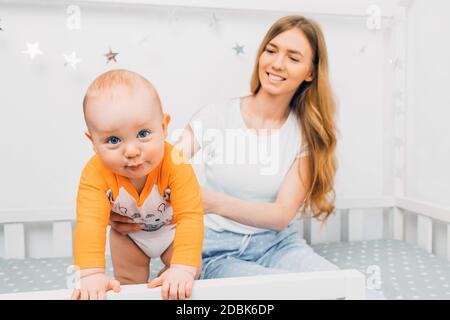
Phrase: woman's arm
(267, 215)
(276, 215)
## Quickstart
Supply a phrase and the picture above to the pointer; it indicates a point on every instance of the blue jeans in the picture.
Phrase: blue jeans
(228, 254)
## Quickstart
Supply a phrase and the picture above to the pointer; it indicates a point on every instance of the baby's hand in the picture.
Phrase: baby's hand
(177, 282)
(94, 287)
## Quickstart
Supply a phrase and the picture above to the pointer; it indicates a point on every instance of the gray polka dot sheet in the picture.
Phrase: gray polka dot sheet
(398, 269)
(33, 274)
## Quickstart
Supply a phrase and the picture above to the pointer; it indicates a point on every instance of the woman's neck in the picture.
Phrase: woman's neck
(269, 108)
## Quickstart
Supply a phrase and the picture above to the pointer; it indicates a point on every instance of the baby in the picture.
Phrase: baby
(139, 175)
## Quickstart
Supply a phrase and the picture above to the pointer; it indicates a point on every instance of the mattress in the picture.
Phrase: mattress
(398, 269)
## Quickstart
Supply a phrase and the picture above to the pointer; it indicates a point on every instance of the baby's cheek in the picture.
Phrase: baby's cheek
(155, 151)
(111, 160)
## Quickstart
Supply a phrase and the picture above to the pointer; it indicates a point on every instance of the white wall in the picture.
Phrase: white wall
(191, 64)
(428, 80)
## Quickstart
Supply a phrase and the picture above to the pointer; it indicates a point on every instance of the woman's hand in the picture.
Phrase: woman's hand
(122, 224)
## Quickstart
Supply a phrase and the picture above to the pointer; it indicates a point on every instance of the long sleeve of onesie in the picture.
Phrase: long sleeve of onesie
(99, 186)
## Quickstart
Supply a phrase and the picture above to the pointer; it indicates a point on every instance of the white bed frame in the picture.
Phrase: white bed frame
(348, 284)
(342, 284)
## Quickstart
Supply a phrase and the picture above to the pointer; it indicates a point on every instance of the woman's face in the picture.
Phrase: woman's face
(285, 63)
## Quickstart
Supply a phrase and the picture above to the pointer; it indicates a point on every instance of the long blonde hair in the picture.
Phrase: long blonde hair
(314, 105)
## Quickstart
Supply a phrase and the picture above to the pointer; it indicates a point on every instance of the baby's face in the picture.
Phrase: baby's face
(128, 131)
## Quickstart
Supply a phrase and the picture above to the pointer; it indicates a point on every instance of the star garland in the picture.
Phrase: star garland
(239, 49)
(33, 50)
(111, 56)
(71, 60)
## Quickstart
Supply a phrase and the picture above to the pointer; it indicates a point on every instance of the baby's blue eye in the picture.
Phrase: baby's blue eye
(113, 140)
(143, 133)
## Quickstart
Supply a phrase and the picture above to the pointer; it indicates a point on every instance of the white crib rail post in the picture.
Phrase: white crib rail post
(14, 241)
(318, 231)
(62, 239)
(344, 225)
(356, 225)
(307, 228)
(398, 223)
(425, 232)
(314, 231)
(301, 226)
(448, 241)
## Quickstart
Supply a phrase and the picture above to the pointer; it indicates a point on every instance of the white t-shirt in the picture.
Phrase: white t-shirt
(241, 163)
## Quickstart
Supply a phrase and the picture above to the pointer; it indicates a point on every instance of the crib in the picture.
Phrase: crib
(390, 263)
(398, 269)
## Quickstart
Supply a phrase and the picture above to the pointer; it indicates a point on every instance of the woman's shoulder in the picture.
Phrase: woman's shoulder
(223, 105)
(217, 110)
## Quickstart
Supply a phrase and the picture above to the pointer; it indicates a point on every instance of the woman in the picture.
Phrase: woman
(251, 202)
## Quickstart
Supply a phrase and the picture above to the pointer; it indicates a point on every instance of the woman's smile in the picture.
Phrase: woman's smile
(274, 77)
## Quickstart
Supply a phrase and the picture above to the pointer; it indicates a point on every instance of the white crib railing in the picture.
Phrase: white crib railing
(348, 284)
(341, 284)
(350, 213)
(14, 230)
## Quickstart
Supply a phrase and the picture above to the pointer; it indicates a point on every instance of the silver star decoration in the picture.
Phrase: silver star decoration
(239, 49)
(71, 60)
(32, 50)
(214, 21)
(111, 56)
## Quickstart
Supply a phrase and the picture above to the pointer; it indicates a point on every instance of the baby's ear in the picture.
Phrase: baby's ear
(166, 121)
(88, 135)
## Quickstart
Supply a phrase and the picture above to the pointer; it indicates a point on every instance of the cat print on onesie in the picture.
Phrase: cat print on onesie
(155, 213)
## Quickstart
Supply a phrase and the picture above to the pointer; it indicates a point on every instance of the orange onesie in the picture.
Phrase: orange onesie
(169, 205)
